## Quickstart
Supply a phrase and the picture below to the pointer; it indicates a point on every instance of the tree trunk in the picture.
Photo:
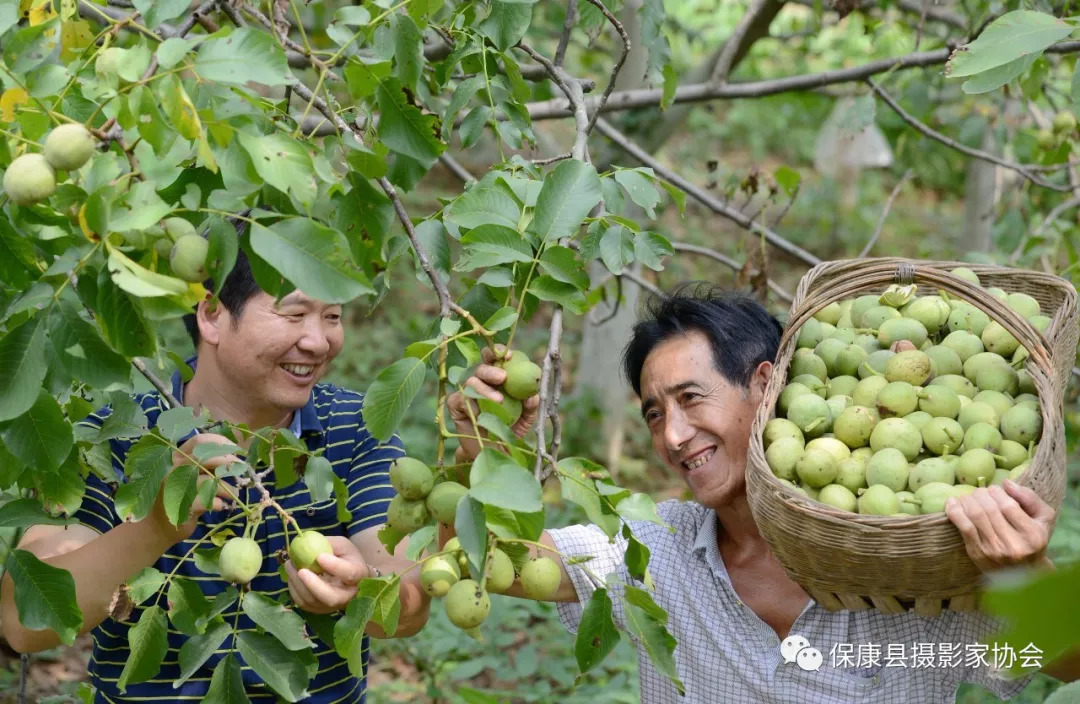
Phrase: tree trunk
(980, 199)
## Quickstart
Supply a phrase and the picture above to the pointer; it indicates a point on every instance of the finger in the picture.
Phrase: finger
(348, 571)
(298, 589)
(1017, 517)
(976, 507)
(322, 592)
(489, 354)
(1031, 502)
(482, 388)
(972, 543)
(490, 374)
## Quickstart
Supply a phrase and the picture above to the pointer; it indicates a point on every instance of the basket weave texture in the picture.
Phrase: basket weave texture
(848, 560)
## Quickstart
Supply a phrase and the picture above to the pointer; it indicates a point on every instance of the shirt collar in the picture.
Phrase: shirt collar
(306, 420)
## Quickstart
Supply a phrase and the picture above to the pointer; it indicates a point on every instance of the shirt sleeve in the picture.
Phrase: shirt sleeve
(369, 480)
(607, 558)
(982, 664)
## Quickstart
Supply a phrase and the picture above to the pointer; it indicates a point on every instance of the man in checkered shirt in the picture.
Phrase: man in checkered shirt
(700, 363)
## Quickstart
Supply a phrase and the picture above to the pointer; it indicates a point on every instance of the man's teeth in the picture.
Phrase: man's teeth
(697, 462)
(298, 369)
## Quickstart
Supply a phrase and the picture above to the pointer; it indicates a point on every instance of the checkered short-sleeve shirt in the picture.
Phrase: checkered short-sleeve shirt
(726, 653)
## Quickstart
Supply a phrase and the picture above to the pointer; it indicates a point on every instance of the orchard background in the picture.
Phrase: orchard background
(532, 168)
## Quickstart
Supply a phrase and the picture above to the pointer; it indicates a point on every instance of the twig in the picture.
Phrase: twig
(787, 208)
(568, 26)
(456, 168)
(627, 273)
(181, 31)
(552, 359)
(728, 262)
(701, 196)
(698, 92)
(24, 671)
(572, 90)
(1050, 217)
(552, 159)
(157, 383)
(962, 148)
(287, 43)
(231, 12)
(885, 213)
(618, 63)
(733, 43)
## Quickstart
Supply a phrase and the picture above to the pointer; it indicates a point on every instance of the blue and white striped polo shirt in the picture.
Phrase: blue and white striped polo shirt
(331, 420)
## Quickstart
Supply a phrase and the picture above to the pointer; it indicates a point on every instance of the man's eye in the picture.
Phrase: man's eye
(334, 317)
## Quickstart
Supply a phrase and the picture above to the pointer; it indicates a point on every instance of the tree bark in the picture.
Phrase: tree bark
(980, 199)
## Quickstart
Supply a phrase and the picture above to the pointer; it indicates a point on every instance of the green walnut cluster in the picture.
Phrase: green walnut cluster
(31, 178)
(467, 601)
(1061, 130)
(896, 402)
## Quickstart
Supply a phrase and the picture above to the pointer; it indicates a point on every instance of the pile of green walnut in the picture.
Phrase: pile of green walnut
(423, 496)
(871, 424)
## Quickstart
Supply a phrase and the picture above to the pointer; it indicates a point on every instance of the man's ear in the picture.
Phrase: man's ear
(210, 316)
(759, 380)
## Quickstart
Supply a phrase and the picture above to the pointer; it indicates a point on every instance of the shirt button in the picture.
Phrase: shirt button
(310, 511)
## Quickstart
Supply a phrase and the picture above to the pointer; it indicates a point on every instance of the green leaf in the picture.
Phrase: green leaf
(636, 557)
(147, 642)
(510, 525)
(403, 128)
(155, 12)
(126, 420)
(145, 584)
(501, 319)
(786, 177)
(349, 630)
(277, 620)
(141, 208)
(40, 437)
(996, 77)
(187, 606)
(484, 205)
(146, 465)
(175, 423)
(1009, 37)
(639, 185)
(22, 357)
(222, 601)
(44, 596)
(652, 17)
(580, 489)
(489, 245)
(597, 635)
(470, 524)
(83, 353)
(121, 321)
(61, 490)
(649, 247)
(285, 671)
(179, 493)
(389, 396)
(319, 477)
(241, 56)
(432, 237)
(408, 50)
(314, 258)
(639, 507)
(23, 513)
(1069, 694)
(197, 649)
(671, 83)
(570, 191)
(497, 480)
(547, 288)
(506, 24)
(341, 494)
(226, 685)
(648, 623)
(140, 281)
(283, 163)
(173, 50)
(563, 265)
(679, 196)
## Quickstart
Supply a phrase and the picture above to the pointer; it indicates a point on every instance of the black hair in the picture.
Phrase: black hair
(740, 331)
(238, 289)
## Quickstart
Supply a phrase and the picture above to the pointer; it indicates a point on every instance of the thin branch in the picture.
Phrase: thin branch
(551, 159)
(726, 61)
(572, 90)
(618, 64)
(287, 43)
(568, 27)
(962, 148)
(914, 7)
(157, 383)
(885, 213)
(728, 262)
(706, 199)
(551, 367)
(628, 274)
(231, 12)
(456, 168)
(699, 92)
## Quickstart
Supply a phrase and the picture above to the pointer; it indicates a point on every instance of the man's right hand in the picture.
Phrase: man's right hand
(225, 492)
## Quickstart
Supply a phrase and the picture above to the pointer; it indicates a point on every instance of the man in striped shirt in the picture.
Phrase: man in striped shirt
(258, 363)
(700, 362)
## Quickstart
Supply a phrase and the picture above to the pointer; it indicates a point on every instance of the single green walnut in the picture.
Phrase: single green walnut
(827, 350)
(108, 61)
(832, 445)
(854, 425)
(888, 467)
(411, 478)
(939, 401)
(443, 500)
(29, 179)
(780, 428)
(977, 412)
(866, 391)
(942, 435)
(1010, 454)
(965, 344)
(782, 456)
(838, 496)
(304, 550)
(966, 274)
(1022, 424)
(808, 362)
(848, 361)
(1065, 122)
(898, 398)
(1046, 139)
(816, 468)
(944, 361)
(240, 560)
(1027, 306)
(788, 394)
(175, 228)
(851, 473)
(522, 377)
(878, 500)
(959, 385)
(907, 503)
(500, 572)
(467, 605)
(918, 419)
(188, 258)
(897, 329)
(810, 413)
(875, 363)
(983, 436)
(899, 434)
(932, 469)
(976, 467)
(816, 385)
(910, 366)
(405, 515)
(841, 386)
(810, 334)
(454, 545)
(931, 497)
(438, 574)
(830, 313)
(69, 146)
(999, 401)
(540, 578)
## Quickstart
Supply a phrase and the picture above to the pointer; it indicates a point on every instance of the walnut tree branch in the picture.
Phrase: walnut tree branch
(728, 262)
(885, 214)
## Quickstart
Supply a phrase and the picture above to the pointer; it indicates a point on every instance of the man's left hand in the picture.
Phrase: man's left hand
(336, 586)
(1003, 526)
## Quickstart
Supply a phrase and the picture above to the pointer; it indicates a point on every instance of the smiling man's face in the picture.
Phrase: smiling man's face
(699, 421)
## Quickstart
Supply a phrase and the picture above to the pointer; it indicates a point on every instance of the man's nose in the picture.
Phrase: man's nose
(314, 339)
(677, 430)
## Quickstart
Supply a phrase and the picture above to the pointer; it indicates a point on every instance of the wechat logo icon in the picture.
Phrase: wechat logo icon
(796, 649)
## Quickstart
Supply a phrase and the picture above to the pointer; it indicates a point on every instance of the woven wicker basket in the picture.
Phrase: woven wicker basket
(852, 561)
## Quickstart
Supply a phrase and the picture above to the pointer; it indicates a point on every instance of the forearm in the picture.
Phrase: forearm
(99, 567)
(1066, 668)
(415, 602)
